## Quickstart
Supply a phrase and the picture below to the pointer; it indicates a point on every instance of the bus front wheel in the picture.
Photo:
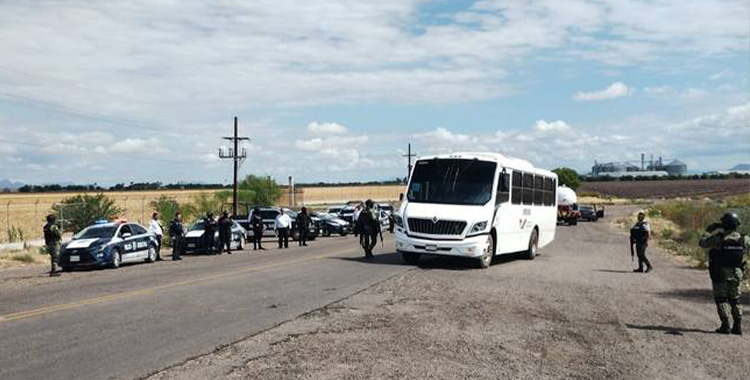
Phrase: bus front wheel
(533, 245)
(486, 259)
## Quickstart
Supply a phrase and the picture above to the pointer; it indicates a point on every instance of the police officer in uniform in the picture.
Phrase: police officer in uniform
(177, 233)
(303, 223)
(369, 228)
(52, 238)
(225, 232)
(209, 234)
(639, 236)
(256, 222)
(727, 260)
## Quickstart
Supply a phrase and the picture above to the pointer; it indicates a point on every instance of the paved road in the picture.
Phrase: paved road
(130, 322)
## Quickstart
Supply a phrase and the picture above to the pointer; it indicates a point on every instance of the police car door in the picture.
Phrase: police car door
(128, 243)
(141, 240)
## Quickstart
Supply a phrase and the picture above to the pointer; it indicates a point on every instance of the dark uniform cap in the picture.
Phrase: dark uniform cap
(730, 221)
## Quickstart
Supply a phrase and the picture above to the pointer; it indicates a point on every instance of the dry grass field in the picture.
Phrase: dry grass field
(712, 188)
(26, 212)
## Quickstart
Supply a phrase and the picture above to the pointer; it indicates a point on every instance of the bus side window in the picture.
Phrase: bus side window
(503, 189)
(517, 194)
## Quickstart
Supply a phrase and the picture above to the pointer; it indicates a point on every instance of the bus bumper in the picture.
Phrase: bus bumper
(469, 247)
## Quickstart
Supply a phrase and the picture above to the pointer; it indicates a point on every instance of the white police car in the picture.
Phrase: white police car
(106, 244)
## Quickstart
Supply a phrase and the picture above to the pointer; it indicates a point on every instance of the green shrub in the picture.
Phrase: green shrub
(78, 212)
(667, 234)
(24, 258)
(14, 234)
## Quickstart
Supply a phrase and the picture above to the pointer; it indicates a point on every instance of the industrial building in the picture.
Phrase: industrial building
(646, 168)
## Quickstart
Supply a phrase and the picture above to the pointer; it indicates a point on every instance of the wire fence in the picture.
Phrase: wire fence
(22, 216)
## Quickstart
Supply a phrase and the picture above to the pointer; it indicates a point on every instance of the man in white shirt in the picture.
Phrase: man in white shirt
(355, 218)
(282, 226)
(155, 227)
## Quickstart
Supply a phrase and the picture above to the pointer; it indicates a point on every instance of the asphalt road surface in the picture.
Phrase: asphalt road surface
(577, 311)
(130, 322)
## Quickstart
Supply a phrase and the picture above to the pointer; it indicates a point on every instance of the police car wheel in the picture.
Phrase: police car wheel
(151, 254)
(486, 259)
(116, 260)
(410, 258)
(533, 245)
(241, 244)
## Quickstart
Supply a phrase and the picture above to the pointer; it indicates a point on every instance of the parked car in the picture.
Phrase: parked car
(106, 244)
(268, 215)
(332, 224)
(195, 241)
(385, 220)
(387, 207)
(347, 213)
(588, 212)
(334, 210)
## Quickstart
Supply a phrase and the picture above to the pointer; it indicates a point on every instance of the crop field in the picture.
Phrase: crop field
(711, 188)
(24, 213)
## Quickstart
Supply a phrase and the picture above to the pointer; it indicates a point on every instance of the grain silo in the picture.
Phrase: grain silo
(676, 167)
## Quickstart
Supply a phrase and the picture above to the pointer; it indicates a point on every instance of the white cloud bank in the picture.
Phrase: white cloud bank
(615, 90)
(326, 128)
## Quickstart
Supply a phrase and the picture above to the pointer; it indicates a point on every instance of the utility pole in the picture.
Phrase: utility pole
(409, 155)
(237, 156)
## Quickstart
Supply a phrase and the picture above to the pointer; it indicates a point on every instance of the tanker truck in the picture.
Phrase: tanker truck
(567, 206)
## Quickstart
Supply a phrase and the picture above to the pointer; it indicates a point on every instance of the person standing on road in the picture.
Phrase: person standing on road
(303, 224)
(225, 232)
(155, 228)
(639, 236)
(369, 228)
(727, 261)
(52, 238)
(355, 218)
(282, 225)
(177, 233)
(209, 233)
(256, 222)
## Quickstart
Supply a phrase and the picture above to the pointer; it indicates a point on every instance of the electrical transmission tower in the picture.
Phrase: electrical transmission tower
(409, 155)
(237, 156)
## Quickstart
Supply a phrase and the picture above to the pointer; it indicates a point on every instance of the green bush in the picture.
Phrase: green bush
(81, 211)
(14, 234)
(24, 258)
(667, 234)
(565, 176)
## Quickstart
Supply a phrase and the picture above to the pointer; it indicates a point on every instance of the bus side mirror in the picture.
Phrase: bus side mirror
(401, 197)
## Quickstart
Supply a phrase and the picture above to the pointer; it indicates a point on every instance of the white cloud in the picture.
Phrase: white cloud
(333, 142)
(326, 128)
(555, 126)
(137, 145)
(615, 90)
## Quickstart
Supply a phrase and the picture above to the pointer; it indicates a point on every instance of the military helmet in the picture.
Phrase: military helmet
(369, 203)
(51, 218)
(730, 221)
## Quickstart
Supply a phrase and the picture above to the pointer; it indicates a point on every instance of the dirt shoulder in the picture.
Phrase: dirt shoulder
(576, 312)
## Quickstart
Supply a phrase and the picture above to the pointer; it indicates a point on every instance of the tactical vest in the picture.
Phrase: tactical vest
(729, 254)
(639, 234)
(49, 237)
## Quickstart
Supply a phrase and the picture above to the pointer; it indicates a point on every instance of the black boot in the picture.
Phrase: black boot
(724, 328)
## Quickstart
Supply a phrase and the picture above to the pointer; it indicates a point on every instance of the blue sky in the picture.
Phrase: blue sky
(333, 90)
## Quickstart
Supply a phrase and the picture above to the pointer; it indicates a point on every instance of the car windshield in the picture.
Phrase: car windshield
(334, 210)
(96, 232)
(292, 214)
(347, 211)
(587, 208)
(452, 181)
(199, 225)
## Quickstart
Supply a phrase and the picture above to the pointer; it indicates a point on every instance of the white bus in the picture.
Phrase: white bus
(476, 205)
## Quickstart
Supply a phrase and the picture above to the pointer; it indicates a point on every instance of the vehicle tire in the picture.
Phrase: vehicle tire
(485, 260)
(312, 237)
(151, 254)
(595, 219)
(411, 258)
(326, 233)
(533, 245)
(116, 259)
(343, 234)
(294, 235)
(241, 245)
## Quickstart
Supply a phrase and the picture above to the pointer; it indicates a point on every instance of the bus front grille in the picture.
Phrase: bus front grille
(441, 227)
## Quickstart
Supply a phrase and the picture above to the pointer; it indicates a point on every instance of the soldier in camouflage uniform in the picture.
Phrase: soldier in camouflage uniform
(369, 228)
(727, 260)
(52, 237)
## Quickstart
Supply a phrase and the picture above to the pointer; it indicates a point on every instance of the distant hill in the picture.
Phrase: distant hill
(741, 167)
(8, 184)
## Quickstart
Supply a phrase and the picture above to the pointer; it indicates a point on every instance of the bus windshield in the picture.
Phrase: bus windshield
(452, 181)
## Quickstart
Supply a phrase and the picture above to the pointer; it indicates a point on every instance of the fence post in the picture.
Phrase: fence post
(7, 220)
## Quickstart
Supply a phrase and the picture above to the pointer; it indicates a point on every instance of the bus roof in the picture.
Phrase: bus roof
(503, 160)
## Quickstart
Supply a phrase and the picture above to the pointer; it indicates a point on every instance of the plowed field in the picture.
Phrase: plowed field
(717, 188)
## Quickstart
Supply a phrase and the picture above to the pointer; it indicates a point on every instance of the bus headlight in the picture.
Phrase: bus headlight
(399, 220)
(478, 227)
